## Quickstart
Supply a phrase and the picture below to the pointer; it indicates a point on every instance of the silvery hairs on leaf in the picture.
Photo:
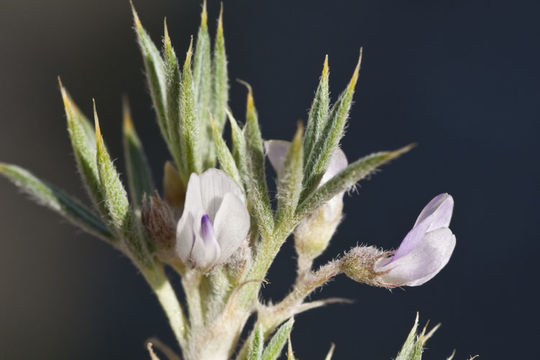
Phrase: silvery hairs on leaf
(215, 220)
(425, 250)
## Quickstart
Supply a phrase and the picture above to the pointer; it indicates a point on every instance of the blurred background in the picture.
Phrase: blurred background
(460, 78)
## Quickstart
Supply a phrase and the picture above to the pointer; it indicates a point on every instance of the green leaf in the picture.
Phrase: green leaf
(318, 114)
(155, 73)
(115, 196)
(173, 89)
(190, 127)
(83, 141)
(256, 344)
(276, 344)
(256, 179)
(413, 347)
(238, 147)
(138, 172)
(225, 157)
(56, 200)
(202, 75)
(331, 134)
(408, 346)
(220, 79)
(346, 179)
(290, 353)
(290, 178)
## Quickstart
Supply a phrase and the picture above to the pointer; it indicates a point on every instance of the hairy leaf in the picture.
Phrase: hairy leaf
(190, 128)
(276, 344)
(256, 179)
(202, 75)
(226, 159)
(238, 147)
(173, 88)
(290, 178)
(220, 79)
(139, 176)
(318, 114)
(256, 344)
(83, 141)
(115, 196)
(56, 200)
(346, 179)
(155, 73)
(331, 134)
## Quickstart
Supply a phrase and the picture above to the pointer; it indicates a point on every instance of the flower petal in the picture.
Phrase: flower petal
(206, 250)
(231, 225)
(277, 150)
(422, 263)
(214, 185)
(338, 162)
(185, 232)
(439, 211)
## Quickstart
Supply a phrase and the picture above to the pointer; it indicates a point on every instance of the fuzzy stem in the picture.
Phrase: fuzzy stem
(161, 286)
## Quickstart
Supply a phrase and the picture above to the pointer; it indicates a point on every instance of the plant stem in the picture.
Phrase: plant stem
(161, 286)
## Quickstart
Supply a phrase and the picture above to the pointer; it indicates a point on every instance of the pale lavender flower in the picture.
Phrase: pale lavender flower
(277, 150)
(215, 220)
(424, 251)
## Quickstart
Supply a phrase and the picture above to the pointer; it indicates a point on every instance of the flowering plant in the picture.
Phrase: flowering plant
(214, 222)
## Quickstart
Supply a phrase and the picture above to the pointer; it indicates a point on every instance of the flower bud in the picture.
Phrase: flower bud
(313, 234)
(215, 221)
(160, 223)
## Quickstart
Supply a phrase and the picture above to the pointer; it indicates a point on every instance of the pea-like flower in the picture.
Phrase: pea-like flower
(424, 251)
(215, 221)
(314, 233)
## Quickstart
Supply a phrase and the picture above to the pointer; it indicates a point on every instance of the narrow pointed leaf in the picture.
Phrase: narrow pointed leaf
(278, 341)
(225, 157)
(115, 196)
(290, 178)
(155, 73)
(256, 179)
(202, 67)
(56, 200)
(408, 346)
(290, 353)
(190, 128)
(318, 114)
(347, 179)
(256, 344)
(331, 134)
(173, 88)
(83, 142)
(238, 147)
(220, 78)
(138, 172)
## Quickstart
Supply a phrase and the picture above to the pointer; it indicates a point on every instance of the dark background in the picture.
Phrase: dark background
(458, 77)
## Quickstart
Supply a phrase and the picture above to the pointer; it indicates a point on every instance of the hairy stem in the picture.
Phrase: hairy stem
(161, 286)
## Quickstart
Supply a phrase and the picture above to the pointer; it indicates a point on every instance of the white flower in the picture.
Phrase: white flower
(424, 251)
(313, 234)
(277, 152)
(215, 220)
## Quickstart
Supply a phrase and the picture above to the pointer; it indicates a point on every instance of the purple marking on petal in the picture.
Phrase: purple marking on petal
(207, 230)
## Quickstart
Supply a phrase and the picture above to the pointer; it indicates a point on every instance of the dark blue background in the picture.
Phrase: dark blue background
(460, 78)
